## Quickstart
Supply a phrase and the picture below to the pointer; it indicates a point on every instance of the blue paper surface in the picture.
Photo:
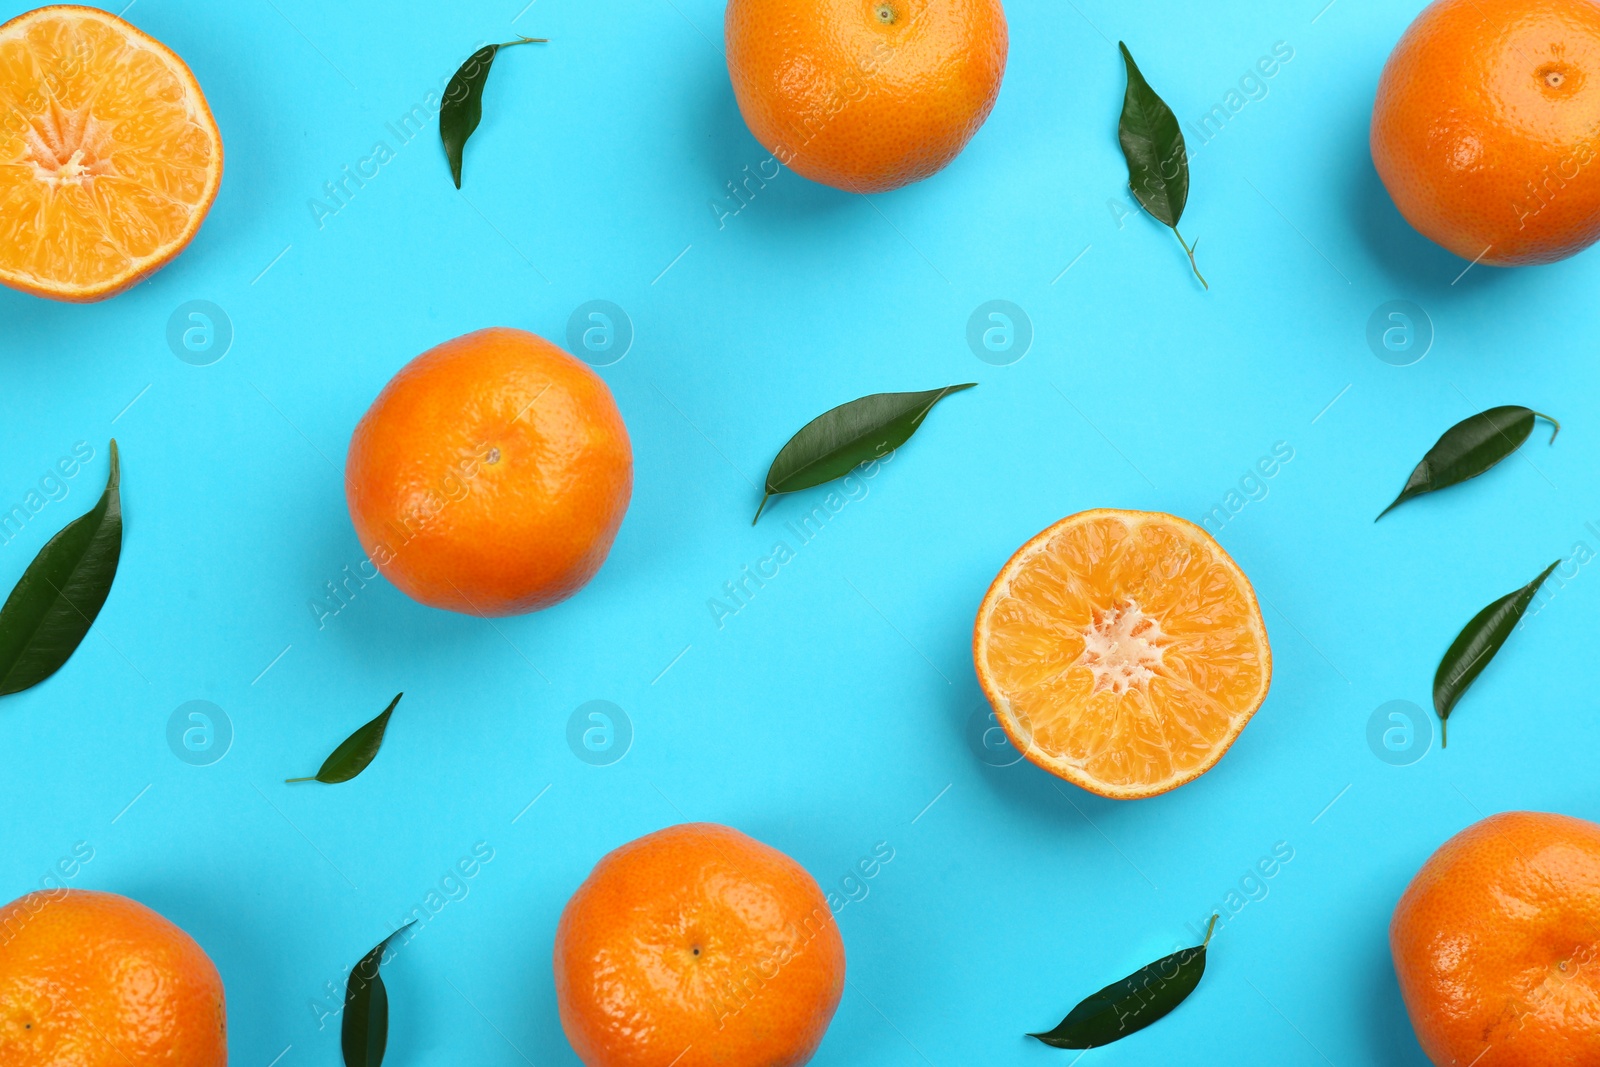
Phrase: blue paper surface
(836, 709)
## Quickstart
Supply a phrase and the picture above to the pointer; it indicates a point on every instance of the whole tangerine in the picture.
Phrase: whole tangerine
(1496, 943)
(700, 947)
(491, 475)
(1486, 127)
(97, 980)
(865, 95)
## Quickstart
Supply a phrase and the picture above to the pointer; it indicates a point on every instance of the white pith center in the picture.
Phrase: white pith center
(1122, 647)
(68, 147)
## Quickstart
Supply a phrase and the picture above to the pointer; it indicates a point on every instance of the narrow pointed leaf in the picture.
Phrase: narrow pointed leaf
(1158, 161)
(53, 605)
(1152, 142)
(1132, 1004)
(833, 443)
(462, 107)
(1476, 646)
(356, 751)
(1469, 448)
(364, 1034)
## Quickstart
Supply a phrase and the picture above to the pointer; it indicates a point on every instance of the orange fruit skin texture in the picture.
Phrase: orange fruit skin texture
(700, 947)
(490, 475)
(865, 95)
(96, 980)
(1207, 661)
(110, 158)
(1496, 943)
(1485, 128)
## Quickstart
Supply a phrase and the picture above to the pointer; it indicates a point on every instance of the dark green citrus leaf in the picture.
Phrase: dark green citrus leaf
(1134, 1003)
(1158, 166)
(357, 750)
(831, 444)
(52, 607)
(1158, 161)
(462, 107)
(364, 1034)
(1476, 645)
(1469, 448)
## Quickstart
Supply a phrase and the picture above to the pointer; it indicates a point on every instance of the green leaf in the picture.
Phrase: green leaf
(1158, 162)
(358, 750)
(863, 430)
(462, 107)
(1152, 142)
(1469, 448)
(59, 596)
(1476, 645)
(1134, 1003)
(364, 1034)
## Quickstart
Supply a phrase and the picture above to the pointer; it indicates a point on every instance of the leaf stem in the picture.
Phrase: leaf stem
(292, 781)
(1553, 433)
(524, 40)
(1189, 251)
(1210, 927)
(1444, 731)
(760, 509)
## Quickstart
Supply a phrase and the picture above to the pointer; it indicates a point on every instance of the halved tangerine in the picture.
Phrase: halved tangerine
(1123, 651)
(109, 156)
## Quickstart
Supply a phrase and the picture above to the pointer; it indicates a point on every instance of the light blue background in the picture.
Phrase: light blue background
(829, 713)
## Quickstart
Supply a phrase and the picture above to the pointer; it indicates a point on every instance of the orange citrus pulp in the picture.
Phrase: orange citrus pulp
(1123, 651)
(109, 156)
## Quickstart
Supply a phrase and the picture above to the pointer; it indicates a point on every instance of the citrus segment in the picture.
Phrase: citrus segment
(109, 156)
(1123, 651)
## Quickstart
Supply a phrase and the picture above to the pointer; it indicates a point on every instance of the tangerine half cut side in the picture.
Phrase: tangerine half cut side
(1123, 651)
(109, 155)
